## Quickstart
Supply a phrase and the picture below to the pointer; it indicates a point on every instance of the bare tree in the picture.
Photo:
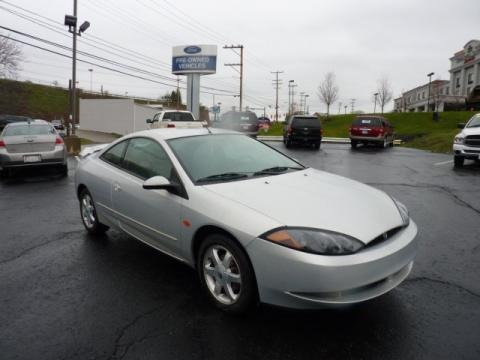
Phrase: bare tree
(10, 57)
(328, 90)
(385, 93)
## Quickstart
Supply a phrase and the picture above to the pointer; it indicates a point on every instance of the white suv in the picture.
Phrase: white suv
(466, 144)
(175, 119)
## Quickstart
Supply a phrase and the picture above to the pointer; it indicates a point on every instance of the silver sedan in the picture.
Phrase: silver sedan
(31, 143)
(257, 225)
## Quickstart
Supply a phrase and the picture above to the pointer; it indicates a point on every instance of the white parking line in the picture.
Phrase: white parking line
(443, 163)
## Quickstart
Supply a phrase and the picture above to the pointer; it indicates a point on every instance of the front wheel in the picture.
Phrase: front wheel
(458, 161)
(226, 274)
(88, 214)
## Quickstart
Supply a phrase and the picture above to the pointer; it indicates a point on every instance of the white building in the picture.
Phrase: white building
(465, 69)
(118, 116)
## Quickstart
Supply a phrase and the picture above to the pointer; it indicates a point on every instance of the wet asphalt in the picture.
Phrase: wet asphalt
(64, 295)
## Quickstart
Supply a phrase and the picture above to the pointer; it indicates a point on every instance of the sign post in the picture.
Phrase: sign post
(194, 61)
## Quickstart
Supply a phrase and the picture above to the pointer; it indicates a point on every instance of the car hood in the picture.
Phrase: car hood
(316, 199)
(471, 131)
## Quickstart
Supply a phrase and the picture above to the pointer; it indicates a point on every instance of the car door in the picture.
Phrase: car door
(152, 216)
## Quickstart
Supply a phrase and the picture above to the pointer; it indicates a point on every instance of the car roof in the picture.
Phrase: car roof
(174, 133)
(170, 110)
(371, 117)
(33, 122)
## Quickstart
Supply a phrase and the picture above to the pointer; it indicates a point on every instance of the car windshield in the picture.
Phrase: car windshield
(19, 130)
(227, 157)
(474, 122)
(178, 116)
(367, 122)
(306, 122)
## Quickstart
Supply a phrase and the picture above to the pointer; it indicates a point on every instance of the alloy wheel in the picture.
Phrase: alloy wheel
(88, 211)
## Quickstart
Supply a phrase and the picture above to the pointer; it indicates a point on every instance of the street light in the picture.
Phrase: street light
(305, 104)
(91, 72)
(290, 87)
(375, 106)
(429, 82)
(71, 22)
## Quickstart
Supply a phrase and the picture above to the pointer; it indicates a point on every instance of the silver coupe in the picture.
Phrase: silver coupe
(257, 225)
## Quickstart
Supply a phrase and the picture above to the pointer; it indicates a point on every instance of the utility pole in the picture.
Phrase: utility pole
(375, 106)
(302, 95)
(345, 109)
(339, 107)
(352, 105)
(305, 104)
(290, 90)
(178, 92)
(276, 82)
(241, 68)
(91, 73)
(429, 83)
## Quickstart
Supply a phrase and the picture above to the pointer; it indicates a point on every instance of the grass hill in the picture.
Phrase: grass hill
(418, 130)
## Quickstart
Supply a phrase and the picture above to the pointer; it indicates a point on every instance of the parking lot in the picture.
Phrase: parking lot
(66, 296)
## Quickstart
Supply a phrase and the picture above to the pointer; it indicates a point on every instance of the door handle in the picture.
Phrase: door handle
(116, 187)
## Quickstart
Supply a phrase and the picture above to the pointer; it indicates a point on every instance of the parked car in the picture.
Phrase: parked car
(304, 130)
(215, 200)
(175, 119)
(58, 124)
(369, 129)
(7, 119)
(31, 143)
(245, 122)
(466, 144)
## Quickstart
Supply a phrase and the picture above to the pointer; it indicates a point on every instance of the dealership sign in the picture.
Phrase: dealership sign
(194, 59)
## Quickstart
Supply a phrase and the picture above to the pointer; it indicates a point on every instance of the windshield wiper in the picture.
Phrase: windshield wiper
(223, 177)
(276, 170)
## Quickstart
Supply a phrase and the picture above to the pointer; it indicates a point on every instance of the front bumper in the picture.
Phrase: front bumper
(295, 279)
(58, 156)
(467, 152)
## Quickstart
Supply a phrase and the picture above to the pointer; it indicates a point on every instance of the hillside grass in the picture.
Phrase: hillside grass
(417, 130)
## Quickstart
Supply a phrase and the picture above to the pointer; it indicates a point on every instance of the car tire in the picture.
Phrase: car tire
(64, 170)
(458, 161)
(88, 214)
(353, 144)
(384, 144)
(391, 142)
(288, 143)
(226, 274)
(317, 145)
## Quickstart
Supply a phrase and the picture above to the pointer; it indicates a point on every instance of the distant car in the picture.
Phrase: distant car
(370, 129)
(175, 119)
(7, 119)
(215, 200)
(264, 123)
(245, 122)
(31, 143)
(58, 124)
(466, 144)
(304, 130)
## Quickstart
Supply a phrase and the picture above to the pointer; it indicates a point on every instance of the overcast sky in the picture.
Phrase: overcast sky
(360, 41)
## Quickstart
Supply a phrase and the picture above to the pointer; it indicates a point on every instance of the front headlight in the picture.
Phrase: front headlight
(458, 139)
(402, 209)
(314, 241)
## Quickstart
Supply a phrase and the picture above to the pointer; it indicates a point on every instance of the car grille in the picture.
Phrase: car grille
(28, 148)
(472, 140)
(384, 237)
(472, 151)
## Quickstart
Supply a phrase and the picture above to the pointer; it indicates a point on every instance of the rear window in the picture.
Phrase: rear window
(19, 130)
(240, 117)
(368, 122)
(306, 122)
(178, 116)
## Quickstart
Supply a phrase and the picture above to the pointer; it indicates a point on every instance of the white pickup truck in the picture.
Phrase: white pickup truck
(466, 144)
(175, 119)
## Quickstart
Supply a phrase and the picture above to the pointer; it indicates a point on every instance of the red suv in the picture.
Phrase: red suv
(368, 129)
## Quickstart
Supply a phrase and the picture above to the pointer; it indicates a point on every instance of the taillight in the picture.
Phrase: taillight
(170, 125)
(59, 141)
(2, 144)
(289, 130)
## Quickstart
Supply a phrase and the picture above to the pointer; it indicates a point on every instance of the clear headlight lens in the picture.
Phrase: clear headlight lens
(314, 241)
(458, 139)
(402, 209)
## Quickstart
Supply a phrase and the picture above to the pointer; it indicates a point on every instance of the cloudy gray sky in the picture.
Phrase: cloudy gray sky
(360, 41)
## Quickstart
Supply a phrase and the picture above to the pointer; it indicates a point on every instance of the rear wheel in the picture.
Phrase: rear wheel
(226, 274)
(384, 144)
(353, 143)
(288, 143)
(458, 161)
(317, 145)
(64, 170)
(88, 214)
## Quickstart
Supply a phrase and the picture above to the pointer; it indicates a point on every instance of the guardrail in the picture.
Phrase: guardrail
(327, 140)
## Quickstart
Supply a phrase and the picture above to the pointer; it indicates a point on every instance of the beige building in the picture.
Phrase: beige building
(465, 69)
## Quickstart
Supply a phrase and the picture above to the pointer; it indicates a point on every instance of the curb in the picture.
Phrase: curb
(326, 140)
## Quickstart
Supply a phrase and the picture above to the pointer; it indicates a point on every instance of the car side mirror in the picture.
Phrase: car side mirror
(149, 121)
(159, 183)
(461, 125)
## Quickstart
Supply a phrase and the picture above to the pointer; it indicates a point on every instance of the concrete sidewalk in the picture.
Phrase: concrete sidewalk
(96, 136)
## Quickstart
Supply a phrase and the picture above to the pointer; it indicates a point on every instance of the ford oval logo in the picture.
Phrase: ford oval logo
(192, 50)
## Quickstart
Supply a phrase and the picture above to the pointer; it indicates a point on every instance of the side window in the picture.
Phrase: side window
(115, 154)
(155, 118)
(167, 116)
(146, 158)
